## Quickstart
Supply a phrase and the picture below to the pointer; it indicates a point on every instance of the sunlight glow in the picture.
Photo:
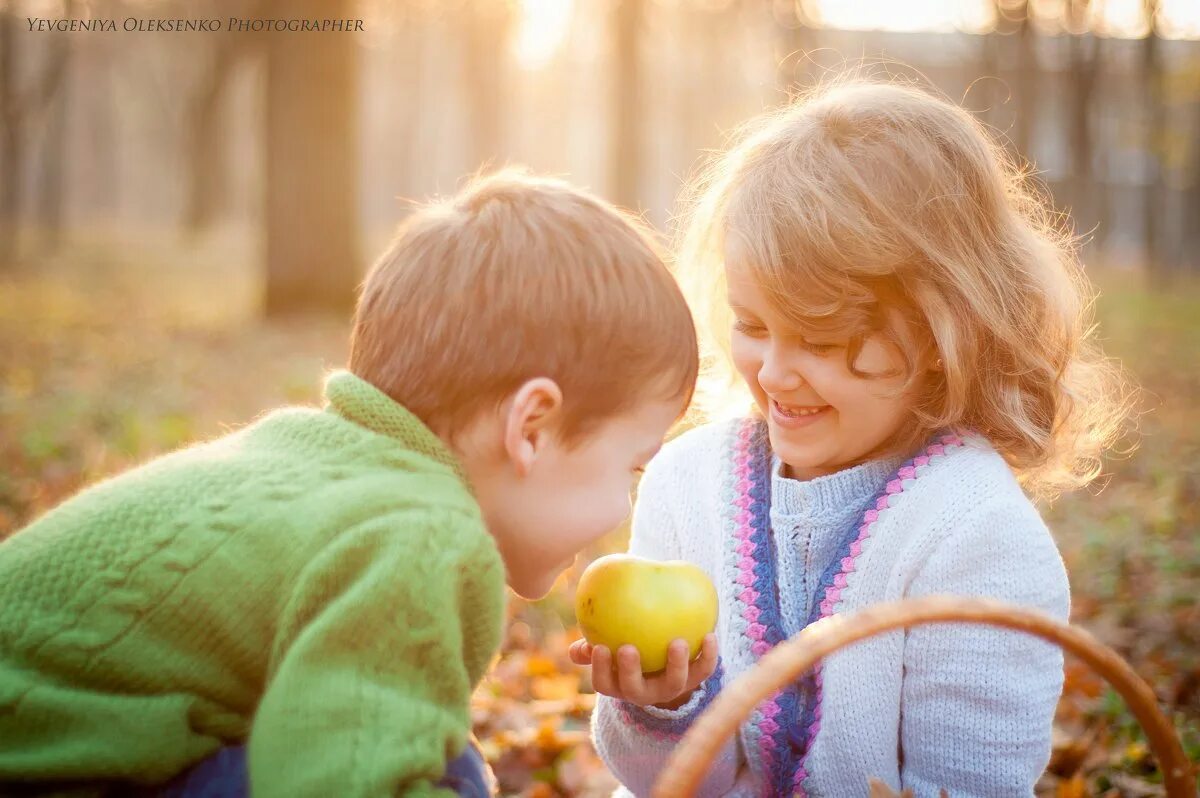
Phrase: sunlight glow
(543, 25)
(1118, 18)
(1180, 19)
(975, 16)
(541, 31)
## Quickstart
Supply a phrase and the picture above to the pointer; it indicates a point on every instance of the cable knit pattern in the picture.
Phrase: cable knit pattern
(962, 707)
(319, 583)
(810, 519)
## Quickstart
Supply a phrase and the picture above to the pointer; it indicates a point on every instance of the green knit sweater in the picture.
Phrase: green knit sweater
(320, 583)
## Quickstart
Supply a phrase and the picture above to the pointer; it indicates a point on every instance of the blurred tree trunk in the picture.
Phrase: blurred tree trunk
(625, 108)
(1083, 71)
(1190, 243)
(1190, 246)
(994, 93)
(206, 146)
(1028, 78)
(488, 26)
(54, 141)
(1100, 186)
(413, 53)
(1153, 123)
(312, 164)
(20, 109)
(10, 139)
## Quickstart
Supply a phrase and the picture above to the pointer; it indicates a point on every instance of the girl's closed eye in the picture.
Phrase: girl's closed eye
(748, 328)
(757, 331)
(818, 348)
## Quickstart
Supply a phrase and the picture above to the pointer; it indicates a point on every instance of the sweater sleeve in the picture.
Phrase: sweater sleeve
(371, 688)
(635, 741)
(978, 702)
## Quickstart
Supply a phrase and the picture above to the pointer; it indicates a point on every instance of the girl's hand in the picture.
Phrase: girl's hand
(669, 688)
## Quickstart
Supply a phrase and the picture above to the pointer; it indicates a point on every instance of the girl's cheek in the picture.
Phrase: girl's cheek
(746, 357)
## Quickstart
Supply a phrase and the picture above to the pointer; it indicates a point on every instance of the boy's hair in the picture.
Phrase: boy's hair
(518, 277)
(870, 207)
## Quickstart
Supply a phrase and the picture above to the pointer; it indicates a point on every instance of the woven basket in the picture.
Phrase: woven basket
(789, 660)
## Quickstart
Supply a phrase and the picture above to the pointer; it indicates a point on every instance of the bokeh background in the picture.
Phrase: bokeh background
(184, 217)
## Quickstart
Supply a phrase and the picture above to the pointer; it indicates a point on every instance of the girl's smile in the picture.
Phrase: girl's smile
(797, 416)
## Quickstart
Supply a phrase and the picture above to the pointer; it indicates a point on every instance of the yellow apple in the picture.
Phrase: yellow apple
(647, 604)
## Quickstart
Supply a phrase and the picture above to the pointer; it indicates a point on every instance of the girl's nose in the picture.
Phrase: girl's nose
(776, 375)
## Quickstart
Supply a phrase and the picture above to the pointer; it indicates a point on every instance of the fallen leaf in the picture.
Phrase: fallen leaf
(881, 790)
(1074, 787)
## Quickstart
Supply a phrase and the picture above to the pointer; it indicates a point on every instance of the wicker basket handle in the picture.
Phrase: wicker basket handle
(792, 658)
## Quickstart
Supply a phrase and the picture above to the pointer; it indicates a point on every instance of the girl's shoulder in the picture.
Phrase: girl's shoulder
(965, 494)
(965, 525)
(961, 470)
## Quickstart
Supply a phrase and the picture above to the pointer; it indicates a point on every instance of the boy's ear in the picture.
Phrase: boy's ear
(534, 413)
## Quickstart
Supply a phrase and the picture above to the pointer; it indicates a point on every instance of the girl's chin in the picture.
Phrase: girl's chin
(798, 458)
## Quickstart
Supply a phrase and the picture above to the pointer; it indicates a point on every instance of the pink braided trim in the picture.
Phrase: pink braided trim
(765, 717)
(745, 547)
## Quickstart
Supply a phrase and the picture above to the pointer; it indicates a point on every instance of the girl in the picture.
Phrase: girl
(910, 325)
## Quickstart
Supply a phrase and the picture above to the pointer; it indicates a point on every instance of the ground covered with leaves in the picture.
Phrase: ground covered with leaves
(112, 354)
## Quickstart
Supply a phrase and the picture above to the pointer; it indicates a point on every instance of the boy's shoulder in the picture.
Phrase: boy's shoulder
(339, 449)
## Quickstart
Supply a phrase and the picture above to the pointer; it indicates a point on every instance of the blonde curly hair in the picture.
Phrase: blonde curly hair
(870, 207)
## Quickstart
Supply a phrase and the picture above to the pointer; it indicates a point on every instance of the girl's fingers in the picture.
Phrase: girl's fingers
(625, 680)
(705, 664)
(602, 672)
(675, 678)
(629, 674)
(580, 652)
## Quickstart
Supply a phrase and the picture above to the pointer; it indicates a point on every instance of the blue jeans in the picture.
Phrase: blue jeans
(223, 775)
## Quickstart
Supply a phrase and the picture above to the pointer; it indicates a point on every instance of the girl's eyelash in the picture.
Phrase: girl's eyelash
(819, 348)
(752, 329)
(744, 327)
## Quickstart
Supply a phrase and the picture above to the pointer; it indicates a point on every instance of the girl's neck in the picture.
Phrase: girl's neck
(888, 450)
(788, 471)
(830, 496)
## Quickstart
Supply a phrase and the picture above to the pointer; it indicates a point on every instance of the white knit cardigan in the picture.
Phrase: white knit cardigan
(955, 706)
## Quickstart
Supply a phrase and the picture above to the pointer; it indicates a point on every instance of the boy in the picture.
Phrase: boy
(326, 586)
